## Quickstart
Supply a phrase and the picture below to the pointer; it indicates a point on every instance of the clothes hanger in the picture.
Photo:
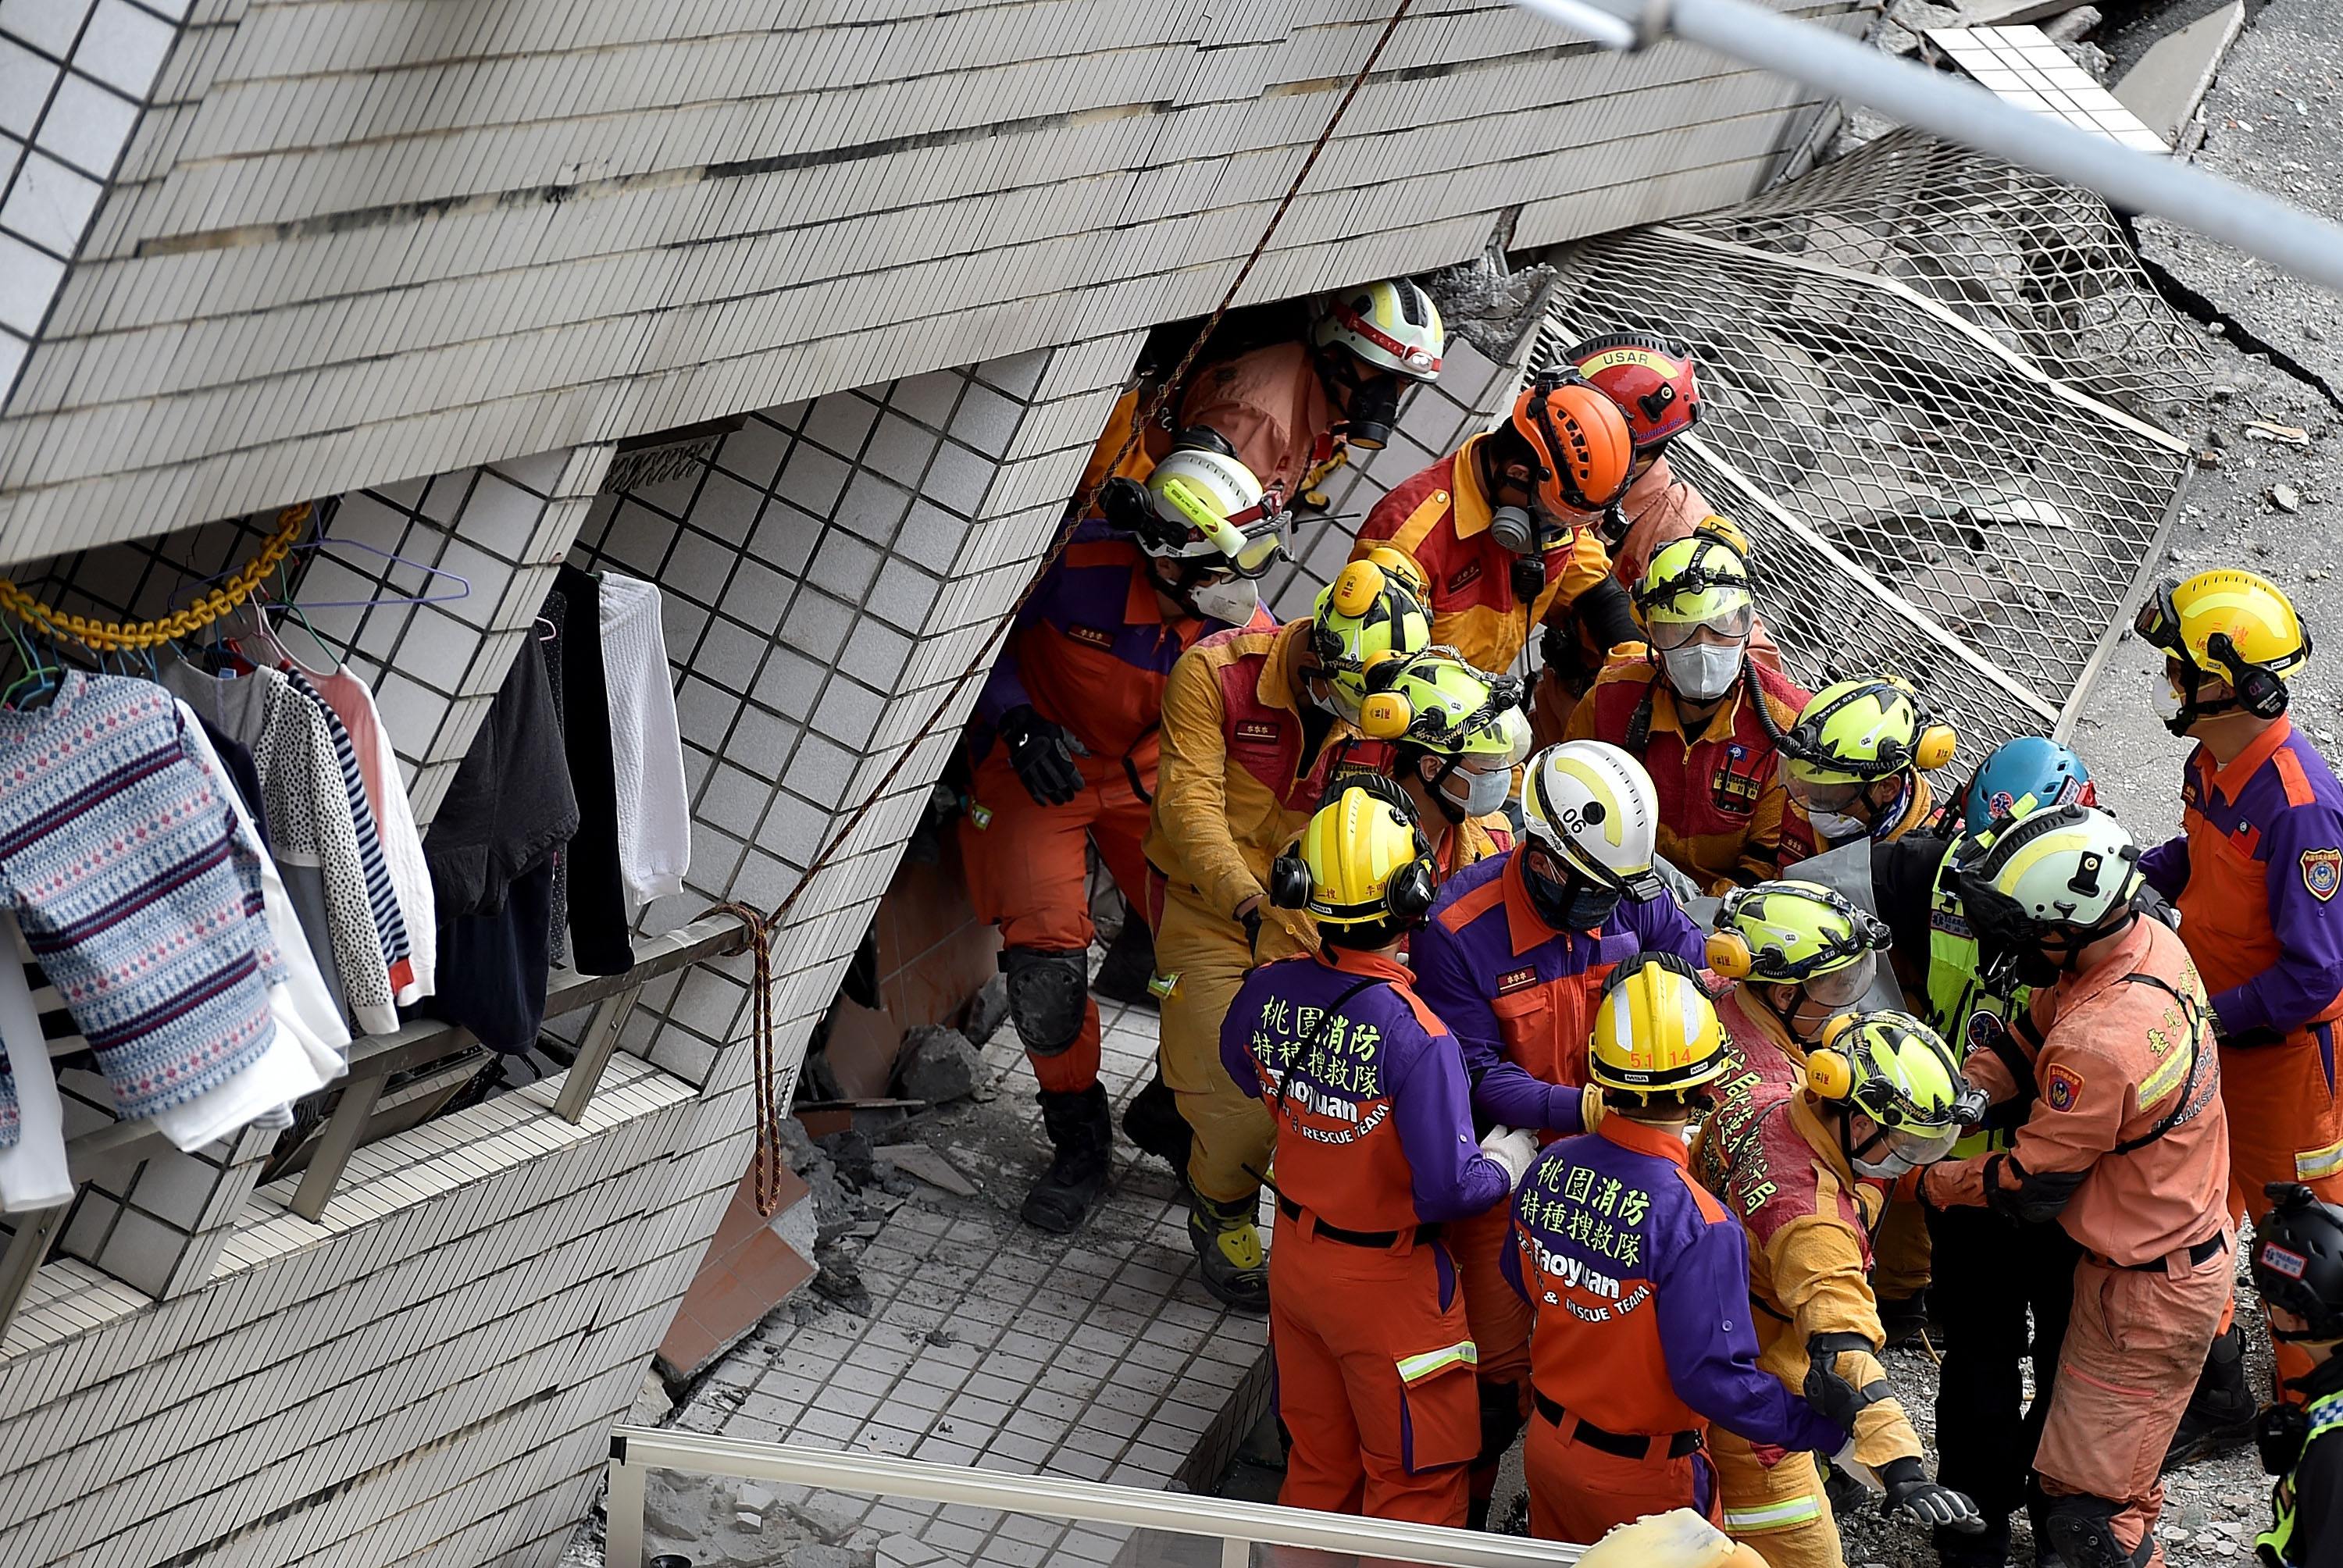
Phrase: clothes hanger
(43, 678)
(320, 540)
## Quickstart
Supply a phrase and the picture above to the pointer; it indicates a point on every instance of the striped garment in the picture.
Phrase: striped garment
(119, 853)
(391, 927)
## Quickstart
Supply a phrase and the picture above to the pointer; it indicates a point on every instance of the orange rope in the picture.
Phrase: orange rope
(116, 635)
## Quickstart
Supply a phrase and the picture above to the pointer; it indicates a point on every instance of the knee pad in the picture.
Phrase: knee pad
(1049, 994)
(2083, 1530)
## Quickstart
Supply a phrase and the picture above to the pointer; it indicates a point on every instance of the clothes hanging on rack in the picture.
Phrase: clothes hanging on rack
(389, 925)
(646, 742)
(593, 897)
(507, 813)
(402, 844)
(236, 758)
(33, 1171)
(315, 834)
(120, 855)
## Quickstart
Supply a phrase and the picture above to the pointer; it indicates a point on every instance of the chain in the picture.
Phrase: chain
(116, 635)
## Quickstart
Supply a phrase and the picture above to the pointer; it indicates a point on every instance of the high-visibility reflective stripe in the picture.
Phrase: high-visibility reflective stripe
(1464, 1352)
(1773, 1515)
(2313, 1163)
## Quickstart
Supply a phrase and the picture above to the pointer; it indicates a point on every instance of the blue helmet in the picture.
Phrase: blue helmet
(2028, 765)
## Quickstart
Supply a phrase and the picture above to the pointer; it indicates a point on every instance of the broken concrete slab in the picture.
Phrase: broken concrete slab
(918, 1160)
(2013, 13)
(2164, 88)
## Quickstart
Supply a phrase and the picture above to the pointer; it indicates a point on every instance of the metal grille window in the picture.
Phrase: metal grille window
(1924, 497)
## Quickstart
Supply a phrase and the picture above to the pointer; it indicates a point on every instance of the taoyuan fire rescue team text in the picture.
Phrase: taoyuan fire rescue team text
(1547, 1150)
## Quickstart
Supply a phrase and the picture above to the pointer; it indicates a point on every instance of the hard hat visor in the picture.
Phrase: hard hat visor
(2158, 622)
(1731, 621)
(1846, 987)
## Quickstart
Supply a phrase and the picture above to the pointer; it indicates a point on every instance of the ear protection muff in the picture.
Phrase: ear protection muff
(2260, 692)
(1829, 1074)
(1289, 882)
(1728, 954)
(1937, 742)
(1385, 714)
(1412, 889)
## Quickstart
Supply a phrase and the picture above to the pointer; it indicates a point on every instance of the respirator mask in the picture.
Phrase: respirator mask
(1570, 903)
(1483, 793)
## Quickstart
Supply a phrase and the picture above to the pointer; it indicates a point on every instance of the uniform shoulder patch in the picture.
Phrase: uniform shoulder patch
(2290, 1264)
(2063, 1088)
(2322, 872)
(1517, 980)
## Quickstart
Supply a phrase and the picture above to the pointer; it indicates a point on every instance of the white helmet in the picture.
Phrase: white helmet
(2071, 866)
(1214, 506)
(1392, 324)
(1593, 806)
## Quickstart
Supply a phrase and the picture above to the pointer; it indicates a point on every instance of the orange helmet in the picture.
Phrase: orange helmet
(1578, 439)
(1649, 377)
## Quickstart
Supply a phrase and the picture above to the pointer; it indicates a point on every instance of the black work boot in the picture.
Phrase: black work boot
(1988, 1549)
(1153, 1122)
(1228, 1247)
(1082, 1129)
(1129, 965)
(2221, 1413)
(1903, 1319)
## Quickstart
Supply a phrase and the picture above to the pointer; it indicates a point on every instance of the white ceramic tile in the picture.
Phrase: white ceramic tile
(49, 205)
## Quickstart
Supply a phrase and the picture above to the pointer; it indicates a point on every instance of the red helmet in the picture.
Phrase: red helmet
(1579, 440)
(1649, 377)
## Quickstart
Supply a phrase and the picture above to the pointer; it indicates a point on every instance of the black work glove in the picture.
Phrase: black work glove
(1913, 1496)
(2247, 1039)
(1125, 502)
(1037, 751)
(1252, 919)
(1608, 614)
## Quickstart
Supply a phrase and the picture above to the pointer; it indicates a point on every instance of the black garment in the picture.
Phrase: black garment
(237, 758)
(2318, 1483)
(1903, 883)
(493, 968)
(510, 806)
(595, 890)
(491, 849)
(1986, 1272)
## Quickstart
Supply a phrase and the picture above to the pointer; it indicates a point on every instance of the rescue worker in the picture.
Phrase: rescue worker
(1502, 530)
(1457, 733)
(1639, 1279)
(2298, 1270)
(1374, 1153)
(1257, 726)
(2255, 873)
(1851, 765)
(1288, 410)
(1880, 1097)
(2124, 1144)
(1654, 383)
(1513, 959)
(1073, 704)
(2001, 1289)
(1697, 711)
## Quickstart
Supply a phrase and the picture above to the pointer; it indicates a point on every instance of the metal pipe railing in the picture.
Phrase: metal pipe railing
(1237, 1526)
(2277, 232)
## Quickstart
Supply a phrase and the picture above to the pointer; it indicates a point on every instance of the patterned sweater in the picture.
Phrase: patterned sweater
(119, 854)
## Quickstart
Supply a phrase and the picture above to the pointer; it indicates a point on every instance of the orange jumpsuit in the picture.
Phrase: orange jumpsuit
(2128, 1147)
(1090, 652)
(1809, 1220)
(1374, 1151)
(1440, 520)
(2255, 875)
(1721, 795)
(1267, 403)
(1246, 759)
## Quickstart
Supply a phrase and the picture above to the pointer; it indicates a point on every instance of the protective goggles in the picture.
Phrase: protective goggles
(1731, 624)
(1833, 798)
(1555, 860)
(1892, 1151)
(1844, 987)
(2159, 623)
(1252, 541)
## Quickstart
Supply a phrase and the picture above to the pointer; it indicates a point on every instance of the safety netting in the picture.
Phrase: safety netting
(1927, 494)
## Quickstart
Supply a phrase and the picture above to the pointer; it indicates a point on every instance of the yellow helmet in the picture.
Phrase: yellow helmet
(1699, 581)
(1439, 702)
(1794, 933)
(1656, 1029)
(1899, 1072)
(2234, 627)
(1856, 731)
(1361, 860)
(1374, 610)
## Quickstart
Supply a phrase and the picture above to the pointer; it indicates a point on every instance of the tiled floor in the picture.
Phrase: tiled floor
(1096, 1355)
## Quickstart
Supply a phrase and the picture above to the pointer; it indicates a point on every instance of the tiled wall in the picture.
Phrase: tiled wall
(428, 1375)
(351, 241)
